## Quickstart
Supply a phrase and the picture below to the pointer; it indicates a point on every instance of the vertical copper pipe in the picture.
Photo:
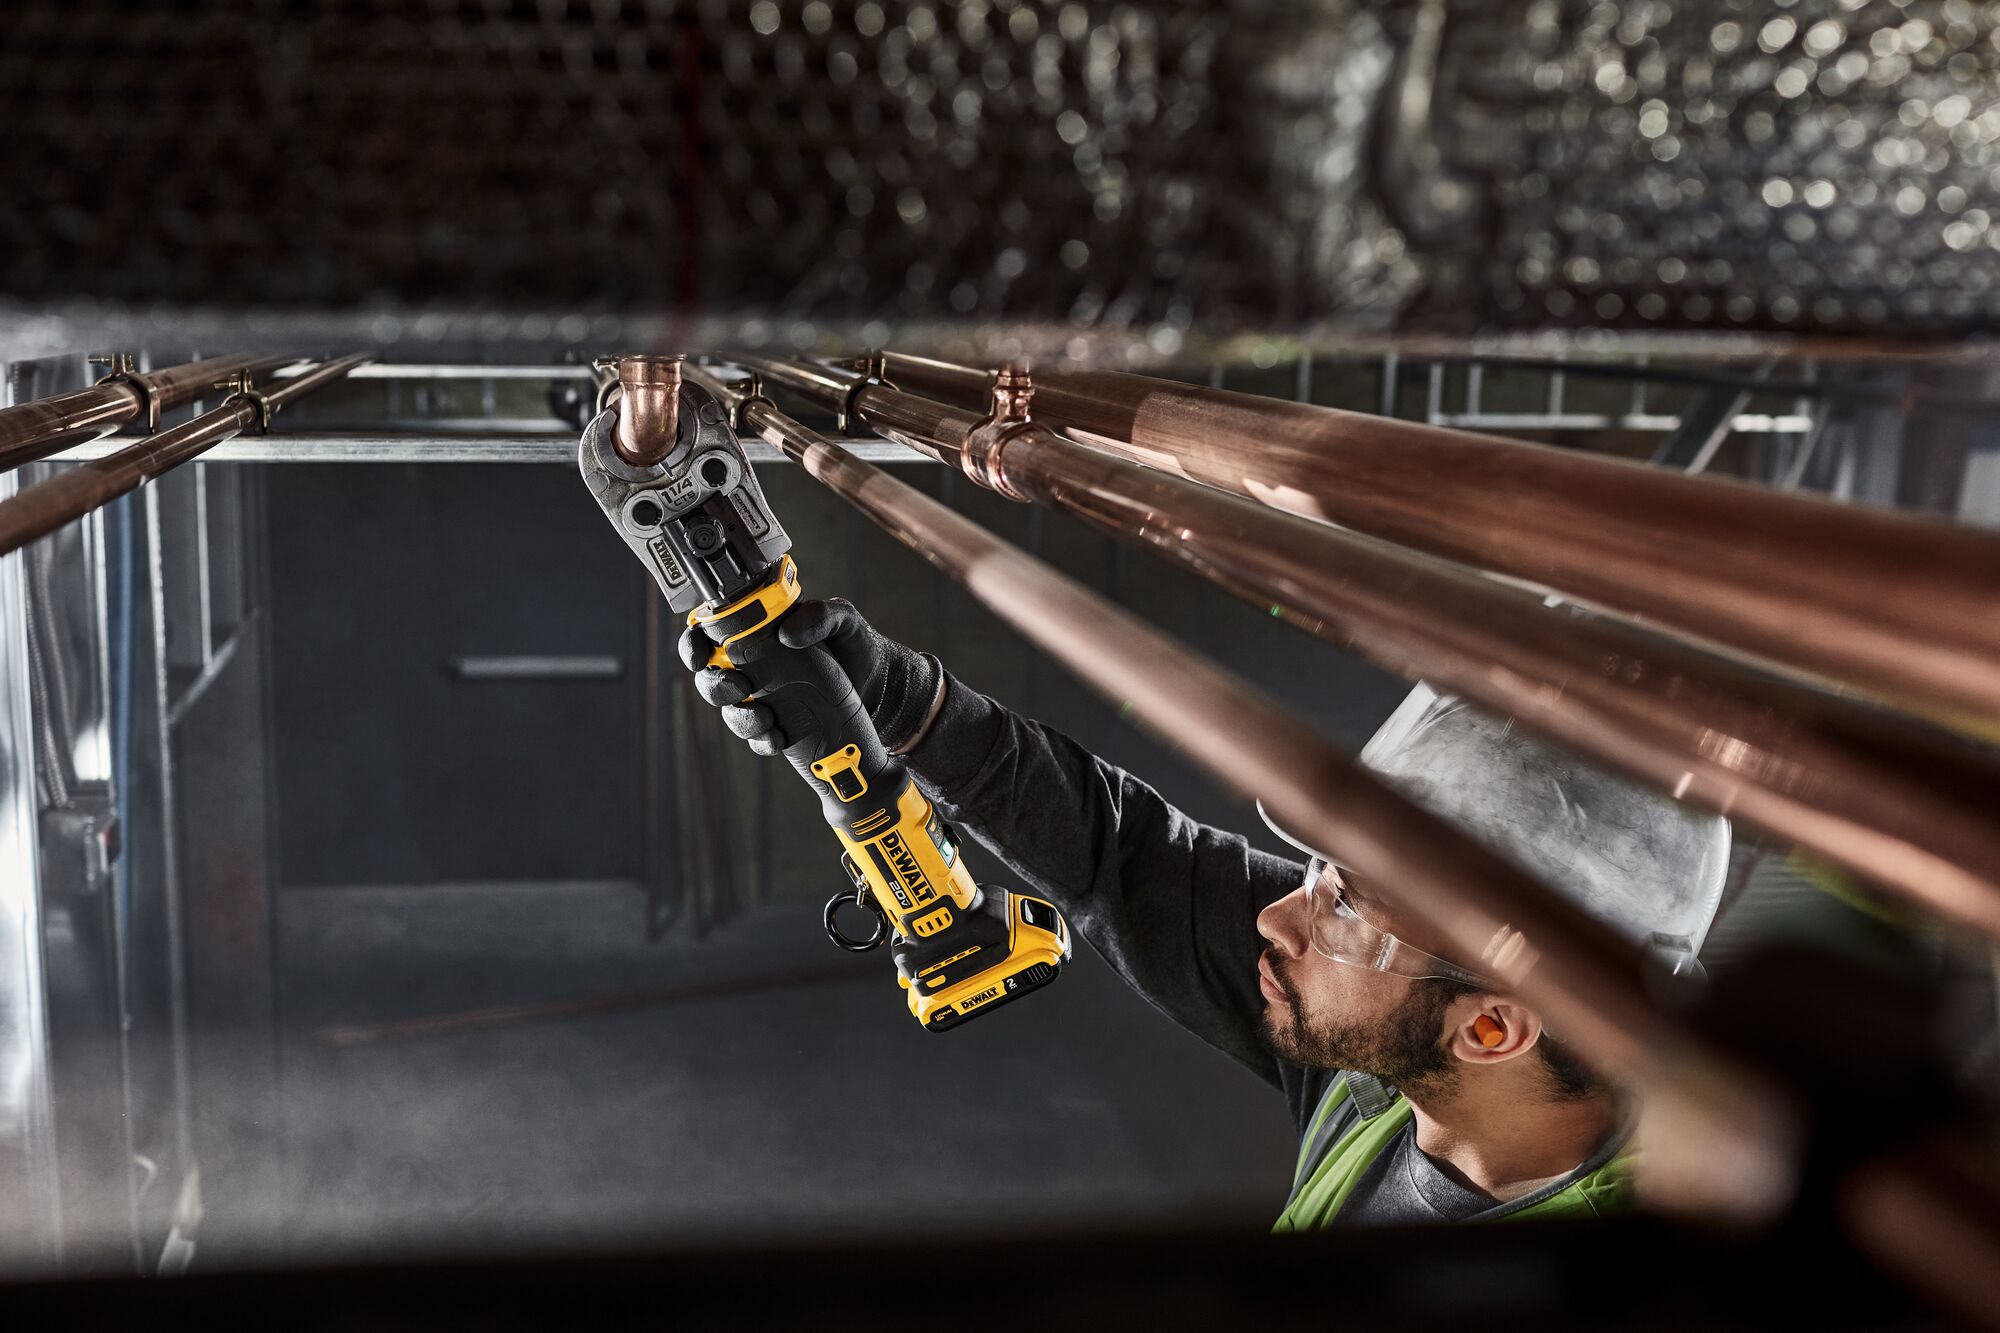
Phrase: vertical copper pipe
(649, 408)
(1590, 982)
(33, 430)
(41, 509)
(1897, 802)
(1899, 604)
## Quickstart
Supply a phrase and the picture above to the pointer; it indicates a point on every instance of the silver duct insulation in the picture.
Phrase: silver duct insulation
(1140, 173)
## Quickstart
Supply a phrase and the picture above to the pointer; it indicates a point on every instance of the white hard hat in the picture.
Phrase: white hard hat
(1644, 864)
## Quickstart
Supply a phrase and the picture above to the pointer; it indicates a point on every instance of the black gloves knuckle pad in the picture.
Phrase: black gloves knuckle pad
(896, 685)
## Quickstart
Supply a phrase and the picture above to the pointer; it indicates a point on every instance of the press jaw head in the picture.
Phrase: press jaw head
(696, 519)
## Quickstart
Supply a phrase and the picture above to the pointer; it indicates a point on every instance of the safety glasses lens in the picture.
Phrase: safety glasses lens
(1339, 932)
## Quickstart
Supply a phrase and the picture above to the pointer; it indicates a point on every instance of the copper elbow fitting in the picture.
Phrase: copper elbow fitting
(649, 409)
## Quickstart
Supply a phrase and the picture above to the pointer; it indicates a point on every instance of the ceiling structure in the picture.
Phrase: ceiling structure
(1127, 182)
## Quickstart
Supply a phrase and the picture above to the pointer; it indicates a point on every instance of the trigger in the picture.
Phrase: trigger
(720, 656)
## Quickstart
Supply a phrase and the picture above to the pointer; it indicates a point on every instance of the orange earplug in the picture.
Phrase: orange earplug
(1490, 1033)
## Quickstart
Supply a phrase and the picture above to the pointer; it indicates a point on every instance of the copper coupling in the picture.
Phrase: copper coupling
(1006, 416)
(649, 408)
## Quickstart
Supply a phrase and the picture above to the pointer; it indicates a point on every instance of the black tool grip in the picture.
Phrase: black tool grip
(819, 715)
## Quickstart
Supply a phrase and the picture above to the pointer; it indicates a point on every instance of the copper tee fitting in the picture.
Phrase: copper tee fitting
(1010, 404)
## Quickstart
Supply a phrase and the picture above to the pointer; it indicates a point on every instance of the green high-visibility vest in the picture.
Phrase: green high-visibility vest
(1332, 1164)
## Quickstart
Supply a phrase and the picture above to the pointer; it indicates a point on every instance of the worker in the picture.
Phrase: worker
(1421, 1092)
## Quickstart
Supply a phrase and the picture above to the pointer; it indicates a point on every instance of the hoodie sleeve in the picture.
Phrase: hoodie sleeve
(1170, 903)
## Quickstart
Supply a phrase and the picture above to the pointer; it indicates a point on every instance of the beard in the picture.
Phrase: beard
(1405, 1047)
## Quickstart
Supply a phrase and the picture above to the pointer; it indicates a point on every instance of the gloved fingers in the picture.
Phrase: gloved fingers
(819, 621)
(694, 648)
(753, 722)
(721, 687)
(770, 743)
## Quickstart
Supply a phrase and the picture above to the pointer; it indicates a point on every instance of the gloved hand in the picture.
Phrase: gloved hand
(897, 685)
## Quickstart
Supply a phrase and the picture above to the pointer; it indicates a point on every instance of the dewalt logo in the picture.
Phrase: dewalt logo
(670, 564)
(972, 1002)
(891, 880)
(900, 859)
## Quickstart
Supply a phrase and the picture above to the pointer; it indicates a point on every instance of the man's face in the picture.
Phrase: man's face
(1335, 1015)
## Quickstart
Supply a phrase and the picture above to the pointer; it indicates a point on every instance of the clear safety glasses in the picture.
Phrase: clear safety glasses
(1340, 933)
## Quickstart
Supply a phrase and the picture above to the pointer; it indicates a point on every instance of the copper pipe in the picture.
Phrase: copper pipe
(1897, 802)
(906, 418)
(946, 381)
(42, 508)
(33, 430)
(649, 412)
(1589, 982)
(1892, 602)
(828, 385)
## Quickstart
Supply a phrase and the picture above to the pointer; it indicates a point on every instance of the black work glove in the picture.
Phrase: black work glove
(897, 685)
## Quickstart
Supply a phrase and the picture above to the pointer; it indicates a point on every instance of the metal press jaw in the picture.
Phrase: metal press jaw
(696, 518)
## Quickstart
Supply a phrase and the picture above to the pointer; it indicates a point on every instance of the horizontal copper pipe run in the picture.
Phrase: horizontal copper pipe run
(1892, 800)
(1897, 802)
(33, 430)
(42, 508)
(906, 418)
(1589, 982)
(1898, 604)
